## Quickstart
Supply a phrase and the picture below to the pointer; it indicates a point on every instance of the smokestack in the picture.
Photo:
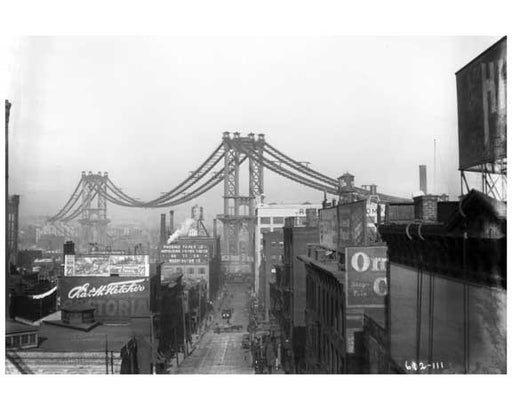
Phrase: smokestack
(215, 228)
(423, 179)
(171, 222)
(163, 233)
(201, 217)
(373, 189)
(69, 248)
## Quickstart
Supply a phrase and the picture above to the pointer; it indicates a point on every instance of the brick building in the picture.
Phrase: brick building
(289, 292)
(271, 255)
(325, 314)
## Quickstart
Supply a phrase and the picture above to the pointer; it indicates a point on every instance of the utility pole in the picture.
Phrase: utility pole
(185, 345)
(153, 364)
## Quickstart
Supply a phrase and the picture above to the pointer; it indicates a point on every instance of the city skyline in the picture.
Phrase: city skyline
(144, 130)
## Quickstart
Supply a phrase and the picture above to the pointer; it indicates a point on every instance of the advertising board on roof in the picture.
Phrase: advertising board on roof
(111, 296)
(106, 265)
(482, 108)
(328, 227)
(352, 224)
(366, 276)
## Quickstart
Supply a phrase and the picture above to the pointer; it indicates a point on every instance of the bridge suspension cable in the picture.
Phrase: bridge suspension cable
(212, 182)
(71, 202)
(197, 183)
(191, 180)
(249, 151)
(269, 149)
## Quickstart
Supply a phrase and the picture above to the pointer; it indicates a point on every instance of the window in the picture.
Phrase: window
(278, 220)
(190, 271)
(32, 339)
(24, 339)
(8, 341)
(179, 269)
(274, 244)
(265, 220)
(15, 341)
(281, 244)
(201, 271)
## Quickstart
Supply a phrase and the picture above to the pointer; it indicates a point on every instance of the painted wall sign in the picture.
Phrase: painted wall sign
(366, 280)
(186, 253)
(111, 296)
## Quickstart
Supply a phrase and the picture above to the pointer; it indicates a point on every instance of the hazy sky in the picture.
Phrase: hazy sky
(150, 109)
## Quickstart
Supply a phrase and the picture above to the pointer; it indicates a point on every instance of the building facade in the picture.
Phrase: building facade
(325, 314)
(288, 291)
(270, 217)
(271, 255)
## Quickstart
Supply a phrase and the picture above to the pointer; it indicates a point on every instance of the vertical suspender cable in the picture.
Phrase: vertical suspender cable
(419, 294)
(431, 304)
(465, 301)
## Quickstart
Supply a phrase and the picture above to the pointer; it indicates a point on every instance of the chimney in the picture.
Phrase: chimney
(373, 189)
(215, 228)
(69, 248)
(171, 222)
(425, 208)
(423, 179)
(346, 182)
(289, 222)
(163, 236)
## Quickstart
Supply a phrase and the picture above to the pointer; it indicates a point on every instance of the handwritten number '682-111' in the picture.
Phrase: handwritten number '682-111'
(423, 366)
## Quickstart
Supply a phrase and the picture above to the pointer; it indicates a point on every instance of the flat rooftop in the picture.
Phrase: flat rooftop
(62, 339)
(13, 327)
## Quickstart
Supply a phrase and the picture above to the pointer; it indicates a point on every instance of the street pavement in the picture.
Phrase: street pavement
(222, 353)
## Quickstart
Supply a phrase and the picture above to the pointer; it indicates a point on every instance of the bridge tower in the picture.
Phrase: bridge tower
(94, 219)
(239, 218)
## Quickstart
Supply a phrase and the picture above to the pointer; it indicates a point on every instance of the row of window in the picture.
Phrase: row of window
(190, 270)
(279, 220)
(267, 220)
(21, 340)
(326, 303)
(327, 354)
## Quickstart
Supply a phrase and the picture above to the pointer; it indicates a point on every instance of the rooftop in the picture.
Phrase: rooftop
(12, 327)
(63, 339)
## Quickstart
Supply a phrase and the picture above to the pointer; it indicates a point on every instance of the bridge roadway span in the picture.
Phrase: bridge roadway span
(222, 353)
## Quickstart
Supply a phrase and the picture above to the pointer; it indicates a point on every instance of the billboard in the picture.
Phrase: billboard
(366, 276)
(352, 225)
(111, 296)
(186, 253)
(482, 108)
(328, 227)
(106, 265)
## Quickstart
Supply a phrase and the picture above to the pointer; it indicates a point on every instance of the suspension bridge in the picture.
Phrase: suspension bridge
(223, 165)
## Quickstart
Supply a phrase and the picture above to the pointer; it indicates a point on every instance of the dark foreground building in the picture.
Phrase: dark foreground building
(448, 284)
